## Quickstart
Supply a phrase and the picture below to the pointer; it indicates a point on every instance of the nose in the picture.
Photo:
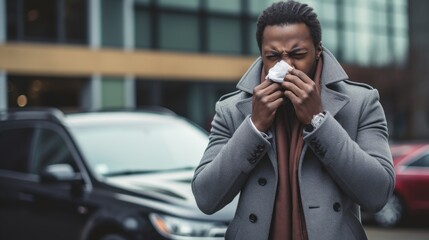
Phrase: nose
(287, 59)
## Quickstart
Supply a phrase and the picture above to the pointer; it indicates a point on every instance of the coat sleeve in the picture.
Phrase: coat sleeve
(363, 169)
(229, 158)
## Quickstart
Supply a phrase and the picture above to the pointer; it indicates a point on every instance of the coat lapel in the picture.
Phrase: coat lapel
(332, 101)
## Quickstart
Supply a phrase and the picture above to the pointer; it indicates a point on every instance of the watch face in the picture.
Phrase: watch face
(317, 120)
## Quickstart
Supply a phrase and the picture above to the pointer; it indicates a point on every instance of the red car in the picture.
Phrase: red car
(411, 195)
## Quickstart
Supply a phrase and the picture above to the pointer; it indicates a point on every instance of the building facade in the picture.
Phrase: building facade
(183, 55)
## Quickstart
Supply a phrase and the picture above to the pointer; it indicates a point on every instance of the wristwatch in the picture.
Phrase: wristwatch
(315, 122)
(317, 119)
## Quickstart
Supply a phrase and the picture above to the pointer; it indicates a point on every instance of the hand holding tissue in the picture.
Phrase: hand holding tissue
(278, 72)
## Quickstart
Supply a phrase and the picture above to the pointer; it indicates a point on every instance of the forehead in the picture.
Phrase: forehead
(287, 35)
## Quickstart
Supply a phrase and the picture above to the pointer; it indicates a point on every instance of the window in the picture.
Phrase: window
(35, 91)
(179, 32)
(421, 162)
(374, 34)
(49, 148)
(112, 23)
(30, 150)
(224, 35)
(15, 145)
(47, 21)
(215, 26)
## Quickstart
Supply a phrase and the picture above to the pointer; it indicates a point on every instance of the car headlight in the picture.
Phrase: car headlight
(179, 228)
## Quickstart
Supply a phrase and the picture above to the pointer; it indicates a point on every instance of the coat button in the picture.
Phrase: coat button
(253, 218)
(337, 207)
(262, 181)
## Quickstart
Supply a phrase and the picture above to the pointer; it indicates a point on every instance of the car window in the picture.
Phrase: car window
(15, 149)
(423, 161)
(49, 148)
(29, 149)
(141, 147)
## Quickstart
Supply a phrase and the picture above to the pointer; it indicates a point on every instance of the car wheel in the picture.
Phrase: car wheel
(391, 214)
(113, 236)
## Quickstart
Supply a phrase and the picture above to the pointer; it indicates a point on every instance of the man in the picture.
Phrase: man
(304, 154)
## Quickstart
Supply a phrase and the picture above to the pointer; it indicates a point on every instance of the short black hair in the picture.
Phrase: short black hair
(281, 13)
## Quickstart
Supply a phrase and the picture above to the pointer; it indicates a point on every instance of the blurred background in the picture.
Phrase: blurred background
(93, 54)
(86, 55)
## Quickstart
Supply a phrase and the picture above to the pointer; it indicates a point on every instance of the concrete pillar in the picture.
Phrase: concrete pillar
(130, 92)
(129, 45)
(91, 95)
(3, 90)
(3, 79)
(2, 21)
(196, 104)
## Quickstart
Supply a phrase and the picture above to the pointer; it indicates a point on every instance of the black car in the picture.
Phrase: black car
(101, 176)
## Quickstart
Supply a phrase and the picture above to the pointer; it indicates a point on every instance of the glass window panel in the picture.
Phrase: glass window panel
(381, 19)
(379, 50)
(421, 162)
(349, 52)
(224, 6)
(400, 6)
(400, 21)
(328, 12)
(365, 18)
(144, 2)
(49, 148)
(224, 35)
(39, 20)
(257, 6)
(76, 21)
(254, 49)
(142, 29)
(378, 4)
(349, 15)
(330, 39)
(15, 145)
(363, 41)
(112, 92)
(350, 2)
(179, 32)
(112, 23)
(400, 49)
(187, 4)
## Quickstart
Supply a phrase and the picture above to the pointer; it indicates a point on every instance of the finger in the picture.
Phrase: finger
(264, 84)
(276, 104)
(298, 82)
(262, 92)
(293, 98)
(301, 75)
(274, 96)
(299, 91)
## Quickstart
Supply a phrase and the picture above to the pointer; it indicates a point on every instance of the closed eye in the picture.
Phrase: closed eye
(273, 55)
(298, 54)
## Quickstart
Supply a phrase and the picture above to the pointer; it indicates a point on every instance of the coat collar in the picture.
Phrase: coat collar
(332, 72)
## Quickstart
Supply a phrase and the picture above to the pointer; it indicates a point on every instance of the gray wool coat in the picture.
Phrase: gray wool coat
(345, 163)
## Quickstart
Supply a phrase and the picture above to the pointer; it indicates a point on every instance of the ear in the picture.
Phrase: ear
(319, 51)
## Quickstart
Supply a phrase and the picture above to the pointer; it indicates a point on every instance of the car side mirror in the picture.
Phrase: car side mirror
(58, 173)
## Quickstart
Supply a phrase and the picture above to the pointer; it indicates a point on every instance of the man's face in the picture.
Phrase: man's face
(293, 44)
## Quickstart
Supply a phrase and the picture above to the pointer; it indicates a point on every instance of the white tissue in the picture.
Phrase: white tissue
(278, 72)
